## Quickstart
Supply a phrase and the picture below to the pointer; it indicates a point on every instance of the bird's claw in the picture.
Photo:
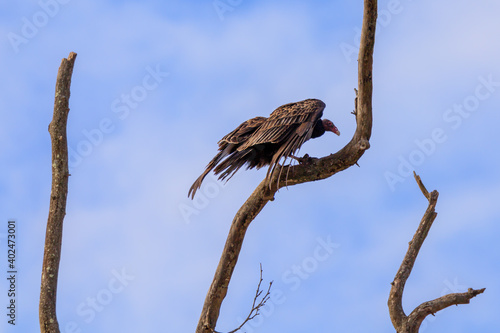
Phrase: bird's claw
(306, 159)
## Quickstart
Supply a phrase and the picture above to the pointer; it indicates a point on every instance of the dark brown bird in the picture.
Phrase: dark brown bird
(261, 141)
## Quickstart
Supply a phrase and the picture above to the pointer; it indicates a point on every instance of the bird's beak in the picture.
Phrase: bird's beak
(336, 131)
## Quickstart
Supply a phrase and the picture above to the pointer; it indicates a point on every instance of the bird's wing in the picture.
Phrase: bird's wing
(226, 147)
(288, 124)
(242, 132)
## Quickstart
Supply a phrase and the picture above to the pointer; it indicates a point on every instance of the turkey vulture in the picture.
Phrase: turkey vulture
(261, 141)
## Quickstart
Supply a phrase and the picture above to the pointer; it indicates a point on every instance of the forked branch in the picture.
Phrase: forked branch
(58, 194)
(315, 170)
(411, 323)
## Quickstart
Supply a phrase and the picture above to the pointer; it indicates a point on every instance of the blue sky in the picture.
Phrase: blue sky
(157, 84)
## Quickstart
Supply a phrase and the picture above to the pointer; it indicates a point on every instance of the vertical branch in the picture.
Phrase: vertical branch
(365, 69)
(58, 194)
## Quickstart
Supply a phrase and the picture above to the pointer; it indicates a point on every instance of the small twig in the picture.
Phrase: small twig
(421, 185)
(355, 112)
(255, 308)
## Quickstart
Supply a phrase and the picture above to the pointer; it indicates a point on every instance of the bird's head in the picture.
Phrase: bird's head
(329, 126)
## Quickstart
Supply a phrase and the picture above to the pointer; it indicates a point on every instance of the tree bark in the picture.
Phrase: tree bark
(59, 192)
(315, 169)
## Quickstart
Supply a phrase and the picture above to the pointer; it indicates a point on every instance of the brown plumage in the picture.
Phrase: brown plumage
(261, 141)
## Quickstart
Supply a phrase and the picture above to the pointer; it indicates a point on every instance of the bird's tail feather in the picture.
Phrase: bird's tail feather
(285, 152)
(197, 184)
(230, 165)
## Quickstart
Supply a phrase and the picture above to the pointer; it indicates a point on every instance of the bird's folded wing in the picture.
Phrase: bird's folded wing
(242, 132)
(287, 121)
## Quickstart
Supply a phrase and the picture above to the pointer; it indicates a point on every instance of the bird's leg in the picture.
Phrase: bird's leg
(268, 195)
(302, 160)
(269, 192)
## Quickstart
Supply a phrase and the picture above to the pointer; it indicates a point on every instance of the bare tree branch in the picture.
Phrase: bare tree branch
(254, 311)
(411, 323)
(418, 315)
(218, 289)
(59, 192)
(315, 170)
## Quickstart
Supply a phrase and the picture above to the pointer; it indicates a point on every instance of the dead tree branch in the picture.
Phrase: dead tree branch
(411, 323)
(315, 170)
(58, 194)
